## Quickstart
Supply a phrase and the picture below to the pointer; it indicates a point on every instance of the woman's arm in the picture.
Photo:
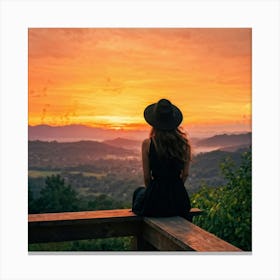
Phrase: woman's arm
(185, 171)
(145, 161)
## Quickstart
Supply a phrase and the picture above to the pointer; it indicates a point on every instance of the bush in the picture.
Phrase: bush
(228, 208)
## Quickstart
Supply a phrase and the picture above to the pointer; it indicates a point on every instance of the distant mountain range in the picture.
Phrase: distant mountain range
(226, 140)
(72, 133)
(55, 154)
(126, 139)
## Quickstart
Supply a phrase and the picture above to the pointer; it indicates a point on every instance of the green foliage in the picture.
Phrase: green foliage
(106, 244)
(31, 202)
(103, 202)
(206, 167)
(56, 196)
(228, 208)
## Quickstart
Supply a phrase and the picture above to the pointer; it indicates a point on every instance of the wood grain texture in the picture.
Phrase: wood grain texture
(86, 215)
(162, 242)
(185, 235)
(165, 234)
(55, 227)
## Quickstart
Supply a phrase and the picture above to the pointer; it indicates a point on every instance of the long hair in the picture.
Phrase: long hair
(172, 144)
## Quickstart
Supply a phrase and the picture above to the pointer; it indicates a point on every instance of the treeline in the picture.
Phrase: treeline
(57, 196)
(116, 186)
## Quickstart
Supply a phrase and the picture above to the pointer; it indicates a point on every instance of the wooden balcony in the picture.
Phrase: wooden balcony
(163, 234)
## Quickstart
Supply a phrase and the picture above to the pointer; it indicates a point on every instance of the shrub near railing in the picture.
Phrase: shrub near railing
(228, 208)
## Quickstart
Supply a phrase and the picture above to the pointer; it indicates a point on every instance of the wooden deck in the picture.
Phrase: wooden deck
(164, 234)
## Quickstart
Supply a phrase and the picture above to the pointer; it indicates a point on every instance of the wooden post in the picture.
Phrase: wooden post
(143, 245)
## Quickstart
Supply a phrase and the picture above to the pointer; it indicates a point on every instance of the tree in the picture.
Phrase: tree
(228, 208)
(56, 196)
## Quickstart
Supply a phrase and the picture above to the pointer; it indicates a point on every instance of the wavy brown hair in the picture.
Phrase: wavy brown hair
(172, 144)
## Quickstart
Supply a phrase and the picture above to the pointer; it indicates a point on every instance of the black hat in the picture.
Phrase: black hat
(163, 115)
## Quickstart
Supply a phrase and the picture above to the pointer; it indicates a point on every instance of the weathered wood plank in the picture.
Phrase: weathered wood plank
(68, 232)
(84, 215)
(142, 244)
(184, 235)
(55, 227)
(162, 242)
(88, 215)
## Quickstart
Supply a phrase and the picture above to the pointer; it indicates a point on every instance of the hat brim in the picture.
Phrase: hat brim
(170, 124)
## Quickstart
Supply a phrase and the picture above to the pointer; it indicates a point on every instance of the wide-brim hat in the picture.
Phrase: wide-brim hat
(163, 115)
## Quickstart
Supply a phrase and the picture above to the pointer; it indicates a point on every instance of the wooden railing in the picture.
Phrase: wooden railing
(164, 234)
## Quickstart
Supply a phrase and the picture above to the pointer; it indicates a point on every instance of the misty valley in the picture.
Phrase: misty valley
(106, 170)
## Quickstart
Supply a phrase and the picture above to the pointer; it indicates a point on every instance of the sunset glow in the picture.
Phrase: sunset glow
(106, 77)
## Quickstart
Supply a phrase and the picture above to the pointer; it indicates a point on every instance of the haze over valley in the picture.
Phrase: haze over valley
(114, 168)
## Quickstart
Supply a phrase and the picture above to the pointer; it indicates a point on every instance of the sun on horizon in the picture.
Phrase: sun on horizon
(105, 77)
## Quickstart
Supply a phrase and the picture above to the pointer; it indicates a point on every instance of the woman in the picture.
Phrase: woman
(166, 156)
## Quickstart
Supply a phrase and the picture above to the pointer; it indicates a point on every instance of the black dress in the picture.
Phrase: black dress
(166, 194)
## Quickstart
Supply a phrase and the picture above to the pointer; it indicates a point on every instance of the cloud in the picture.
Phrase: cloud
(121, 70)
(51, 42)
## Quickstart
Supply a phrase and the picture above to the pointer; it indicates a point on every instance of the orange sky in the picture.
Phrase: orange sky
(106, 77)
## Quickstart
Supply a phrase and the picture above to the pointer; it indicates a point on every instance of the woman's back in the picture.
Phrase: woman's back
(163, 167)
(166, 194)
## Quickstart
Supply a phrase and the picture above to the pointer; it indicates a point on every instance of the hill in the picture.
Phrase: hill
(94, 168)
(73, 133)
(205, 167)
(124, 143)
(226, 140)
(55, 154)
